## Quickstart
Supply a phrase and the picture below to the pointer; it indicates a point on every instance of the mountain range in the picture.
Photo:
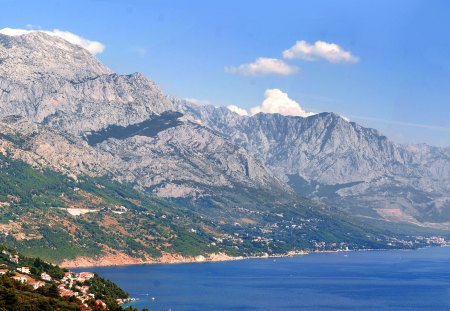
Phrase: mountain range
(63, 110)
(344, 164)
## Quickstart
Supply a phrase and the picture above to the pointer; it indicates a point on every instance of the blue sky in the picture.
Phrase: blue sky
(398, 81)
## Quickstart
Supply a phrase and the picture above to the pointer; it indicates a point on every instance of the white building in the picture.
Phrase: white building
(45, 276)
(24, 270)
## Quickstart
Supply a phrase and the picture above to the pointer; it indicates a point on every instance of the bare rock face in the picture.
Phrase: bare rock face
(188, 154)
(36, 54)
(49, 80)
(60, 107)
(40, 147)
(61, 96)
(327, 158)
(34, 68)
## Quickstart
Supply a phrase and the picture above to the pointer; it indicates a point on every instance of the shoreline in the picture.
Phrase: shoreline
(202, 259)
(214, 257)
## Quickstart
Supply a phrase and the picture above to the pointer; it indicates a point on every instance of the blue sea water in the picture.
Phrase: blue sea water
(369, 280)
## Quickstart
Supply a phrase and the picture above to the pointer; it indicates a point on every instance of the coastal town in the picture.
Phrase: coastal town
(66, 284)
(284, 233)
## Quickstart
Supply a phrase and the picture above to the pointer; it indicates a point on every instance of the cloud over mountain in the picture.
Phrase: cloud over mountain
(239, 111)
(275, 101)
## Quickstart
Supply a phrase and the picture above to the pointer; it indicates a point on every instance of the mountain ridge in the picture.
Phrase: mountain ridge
(261, 184)
(328, 150)
(323, 148)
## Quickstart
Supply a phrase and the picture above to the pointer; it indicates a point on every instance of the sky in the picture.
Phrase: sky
(382, 64)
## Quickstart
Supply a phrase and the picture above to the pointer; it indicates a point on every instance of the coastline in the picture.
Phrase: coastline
(124, 260)
(356, 269)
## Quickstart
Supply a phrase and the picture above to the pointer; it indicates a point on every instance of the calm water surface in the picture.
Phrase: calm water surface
(375, 280)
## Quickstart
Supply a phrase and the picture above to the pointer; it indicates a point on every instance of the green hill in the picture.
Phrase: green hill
(40, 287)
(44, 213)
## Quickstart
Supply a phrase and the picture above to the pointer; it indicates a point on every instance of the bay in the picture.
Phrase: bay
(361, 280)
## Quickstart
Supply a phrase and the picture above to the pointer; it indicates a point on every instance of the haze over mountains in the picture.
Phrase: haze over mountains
(74, 115)
(349, 166)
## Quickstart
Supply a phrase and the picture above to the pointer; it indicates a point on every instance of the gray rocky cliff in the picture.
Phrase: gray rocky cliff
(60, 107)
(342, 162)
(66, 95)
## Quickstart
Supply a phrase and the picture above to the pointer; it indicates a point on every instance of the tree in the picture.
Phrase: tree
(53, 291)
(44, 305)
(8, 297)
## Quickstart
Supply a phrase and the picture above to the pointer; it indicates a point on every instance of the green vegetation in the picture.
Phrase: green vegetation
(22, 184)
(18, 296)
(36, 265)
(106, 290)
(241, 221)
(36, 223)
(15, 296)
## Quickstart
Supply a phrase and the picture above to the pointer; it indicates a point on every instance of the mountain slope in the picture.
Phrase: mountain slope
(43, 286)
(92, 221)
(105, 168)
(71, 109)
(342, 163)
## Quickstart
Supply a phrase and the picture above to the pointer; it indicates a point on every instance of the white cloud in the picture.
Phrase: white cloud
(239, 111)
(320, 50)
(93, 47)
(277, 101)
(199, 102)
(263, 66)
(14, 32)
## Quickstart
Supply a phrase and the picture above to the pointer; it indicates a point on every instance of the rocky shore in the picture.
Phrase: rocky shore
(124, 260)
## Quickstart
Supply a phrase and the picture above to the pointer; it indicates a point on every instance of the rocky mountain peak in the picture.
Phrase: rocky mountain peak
(87, 119)
(36, 55)
(47, 79)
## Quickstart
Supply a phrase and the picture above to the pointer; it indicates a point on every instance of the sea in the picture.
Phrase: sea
(359, 280)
